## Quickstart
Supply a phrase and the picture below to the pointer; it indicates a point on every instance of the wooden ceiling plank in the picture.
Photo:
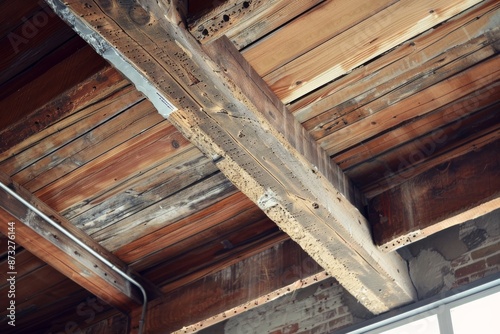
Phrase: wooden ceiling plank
(26, 263)
(61, 109)
(78, 151)
(18, 53)
(462, 189)
(286, 268)
(424, 102)
(178, 172)
(260, 24)
(49, 85)
(248, 250)
(143, 252)
(407, 84)
(62, 132)
(408, 159)
(308, 31)
(56, 249)
(42, 66)
(216, 115)
(456, 31)
(372, 37)
(405, 171)
(210, 253)
(144, 151)
(31, 320)
(430, 125)
(27, 287)
(244, 22)
(14, 13)
(164, 211)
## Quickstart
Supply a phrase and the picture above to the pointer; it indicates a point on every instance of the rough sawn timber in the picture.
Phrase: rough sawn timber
(461, 189)
(284, 172)
(60, 252)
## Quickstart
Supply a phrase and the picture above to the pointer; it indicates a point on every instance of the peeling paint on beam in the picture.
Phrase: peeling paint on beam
(104, 49)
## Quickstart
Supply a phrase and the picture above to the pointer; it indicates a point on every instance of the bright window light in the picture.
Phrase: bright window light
(477, 316)
(428, 325)
(471, 311)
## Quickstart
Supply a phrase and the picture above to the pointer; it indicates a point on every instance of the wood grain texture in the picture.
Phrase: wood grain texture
(410, 83)
(471, 130)
(425, 101)
(309, 31)
(55, 248)
(40, 91)
(363, 42)
(98, 86)
(259, 275)
(261, 24)
(405, 58)
(224, 123)
(245, 21)
(426, 203)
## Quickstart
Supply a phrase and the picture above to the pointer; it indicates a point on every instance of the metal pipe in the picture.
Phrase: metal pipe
(87, 248)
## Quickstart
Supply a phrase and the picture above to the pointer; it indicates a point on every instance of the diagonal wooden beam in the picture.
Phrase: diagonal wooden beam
(26, 228)
(461, 189)
(259, 147)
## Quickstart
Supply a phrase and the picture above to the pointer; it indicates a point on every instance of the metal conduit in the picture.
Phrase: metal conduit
(87, 248)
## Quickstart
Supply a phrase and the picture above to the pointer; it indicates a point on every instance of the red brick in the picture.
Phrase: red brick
(470, 269)
(493, 260)
(291, 329)
(482, 273)
(461, 281)
(485, 251)
(460, 261)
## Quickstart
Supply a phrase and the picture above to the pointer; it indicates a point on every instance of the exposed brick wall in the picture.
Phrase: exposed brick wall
(451, 258)
(317, 309)
(478, 263)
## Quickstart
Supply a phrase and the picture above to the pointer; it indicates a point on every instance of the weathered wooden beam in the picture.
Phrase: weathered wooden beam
(228, 292)
(35, 234)
(244, 21)
(461, 189)
(256, 144)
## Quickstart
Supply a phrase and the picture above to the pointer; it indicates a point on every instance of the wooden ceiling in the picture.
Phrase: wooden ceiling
(400, 99)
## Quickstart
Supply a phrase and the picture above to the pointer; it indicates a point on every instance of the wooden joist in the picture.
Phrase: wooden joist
(361, 43)
(393, 69)
(59, 251)
(251, 137)
(426, 101)
(252, 282)
(461, 189)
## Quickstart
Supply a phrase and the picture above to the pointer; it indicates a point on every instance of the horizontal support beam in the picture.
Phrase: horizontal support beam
(258, 145)
(222, 294)
(26, 228)
(461, 189)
